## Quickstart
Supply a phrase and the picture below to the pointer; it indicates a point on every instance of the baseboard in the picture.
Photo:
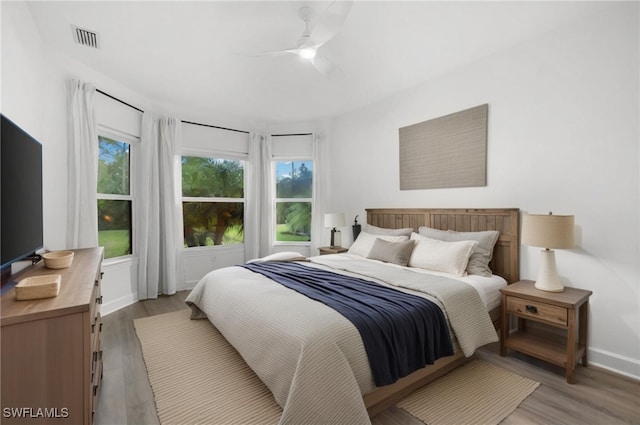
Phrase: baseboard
(616, 363)
(189, 285)
(117, 304)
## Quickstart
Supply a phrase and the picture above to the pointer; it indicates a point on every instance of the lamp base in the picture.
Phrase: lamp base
(548, 278)
(336, 240)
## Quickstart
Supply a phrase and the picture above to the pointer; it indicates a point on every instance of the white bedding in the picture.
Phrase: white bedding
(487, 287)
(309, 356)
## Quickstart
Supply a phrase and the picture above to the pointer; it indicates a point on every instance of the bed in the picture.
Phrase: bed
(311, 357)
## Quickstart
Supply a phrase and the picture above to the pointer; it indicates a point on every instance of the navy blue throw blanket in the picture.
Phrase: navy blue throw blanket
(401, 332)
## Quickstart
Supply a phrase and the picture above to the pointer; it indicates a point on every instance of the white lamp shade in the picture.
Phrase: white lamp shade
(334, 220)
(548, 231)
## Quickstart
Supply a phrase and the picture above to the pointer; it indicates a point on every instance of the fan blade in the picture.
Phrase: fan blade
(277, 53)
(329, 23)
(326, 67)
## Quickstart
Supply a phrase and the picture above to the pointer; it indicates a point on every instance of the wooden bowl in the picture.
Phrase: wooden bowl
(36, 287)
(58, 259)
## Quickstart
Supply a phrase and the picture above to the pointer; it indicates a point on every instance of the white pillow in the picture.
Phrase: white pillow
(363, 244)
(441, 256)
(369, 228)
(482, 253)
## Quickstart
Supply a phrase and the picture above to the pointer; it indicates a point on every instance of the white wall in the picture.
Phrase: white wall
(563, 136)
(34, 96)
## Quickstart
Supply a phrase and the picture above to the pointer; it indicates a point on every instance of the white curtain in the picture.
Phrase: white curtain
(253, 198)
(267, 228)
(319, 194)
(82, 155)
(158, 222)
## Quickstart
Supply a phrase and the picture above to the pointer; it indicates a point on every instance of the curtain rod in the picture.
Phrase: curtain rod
(215, 126)
(118, 100)
(295, 134)
(186, 122)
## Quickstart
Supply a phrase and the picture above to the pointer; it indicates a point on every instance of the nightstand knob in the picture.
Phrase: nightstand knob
(531, 308)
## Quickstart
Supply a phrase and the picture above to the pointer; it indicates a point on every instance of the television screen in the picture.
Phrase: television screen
(21, 208)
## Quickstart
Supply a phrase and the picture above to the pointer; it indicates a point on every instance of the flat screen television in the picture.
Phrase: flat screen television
(21, 208)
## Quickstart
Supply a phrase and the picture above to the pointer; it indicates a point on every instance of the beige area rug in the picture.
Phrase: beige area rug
(476, 393)
(198, 378)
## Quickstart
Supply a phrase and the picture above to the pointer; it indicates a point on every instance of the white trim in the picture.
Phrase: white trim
(113, 197)
(194, 249)
(117, 263)
(206, 199)
(119, 303)
(190, 284)
(215, 153)
(120, 136)
(616, 363)
(294, 200)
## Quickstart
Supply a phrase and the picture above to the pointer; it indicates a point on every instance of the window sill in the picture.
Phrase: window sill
(117, 261)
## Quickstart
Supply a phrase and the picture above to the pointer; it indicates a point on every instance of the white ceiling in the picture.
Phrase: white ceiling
(196, 56)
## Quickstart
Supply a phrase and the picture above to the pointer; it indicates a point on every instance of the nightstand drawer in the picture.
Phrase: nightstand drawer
(537, 310)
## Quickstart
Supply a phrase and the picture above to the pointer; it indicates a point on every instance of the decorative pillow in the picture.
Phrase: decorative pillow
(280, 256)
(391, 252)
(482, 253)
(363, 244)
(389, 232)
(441, 256)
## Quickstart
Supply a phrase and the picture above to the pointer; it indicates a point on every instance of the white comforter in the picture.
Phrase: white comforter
(309, 356)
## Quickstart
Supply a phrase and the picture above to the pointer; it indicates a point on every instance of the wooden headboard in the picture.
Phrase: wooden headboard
(506, 254)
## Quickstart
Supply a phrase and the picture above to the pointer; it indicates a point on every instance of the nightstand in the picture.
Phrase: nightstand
(567, 311)
(332, 250)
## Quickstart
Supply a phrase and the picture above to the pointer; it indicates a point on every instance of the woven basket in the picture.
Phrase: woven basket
(36, 287)
(58, 259)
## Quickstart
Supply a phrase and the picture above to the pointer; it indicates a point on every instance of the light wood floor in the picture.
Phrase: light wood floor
(598, 397)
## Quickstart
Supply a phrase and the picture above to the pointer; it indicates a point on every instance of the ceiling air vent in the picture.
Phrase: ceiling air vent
(85, 37)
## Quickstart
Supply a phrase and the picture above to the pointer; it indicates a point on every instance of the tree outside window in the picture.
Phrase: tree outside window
(114, 197)
(213, 201)
(294, 192)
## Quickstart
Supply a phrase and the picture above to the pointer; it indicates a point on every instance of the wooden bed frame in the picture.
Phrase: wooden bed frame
(505, 263)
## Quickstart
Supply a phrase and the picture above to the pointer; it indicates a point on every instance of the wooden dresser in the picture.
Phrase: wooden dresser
(51, 354)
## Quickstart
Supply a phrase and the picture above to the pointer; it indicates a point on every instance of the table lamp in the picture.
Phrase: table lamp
(549, 232)
(334, 220)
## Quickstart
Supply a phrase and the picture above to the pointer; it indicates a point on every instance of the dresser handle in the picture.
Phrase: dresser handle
(99, 299)
(95, 390)
(100, 326)
(531, 308)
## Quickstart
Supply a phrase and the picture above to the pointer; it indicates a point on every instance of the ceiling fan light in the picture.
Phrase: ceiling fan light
(307, 53)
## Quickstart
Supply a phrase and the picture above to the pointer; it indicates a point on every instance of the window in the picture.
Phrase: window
(114, 197)
(212, 201)
(294, 192)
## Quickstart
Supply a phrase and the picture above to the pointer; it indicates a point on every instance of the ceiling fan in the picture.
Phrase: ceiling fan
(324, 29)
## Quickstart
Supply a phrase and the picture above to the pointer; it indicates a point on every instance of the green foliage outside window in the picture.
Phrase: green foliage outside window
(114, 215)
(294, 180)
(213, 221)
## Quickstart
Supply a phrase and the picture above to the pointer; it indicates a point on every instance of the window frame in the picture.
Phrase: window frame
(218, 155)
(276, 200)
(134, 143)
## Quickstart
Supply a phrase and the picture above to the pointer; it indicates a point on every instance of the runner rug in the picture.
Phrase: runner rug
(198, 378)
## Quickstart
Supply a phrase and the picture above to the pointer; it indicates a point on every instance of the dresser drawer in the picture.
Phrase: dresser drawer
(537, 310)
